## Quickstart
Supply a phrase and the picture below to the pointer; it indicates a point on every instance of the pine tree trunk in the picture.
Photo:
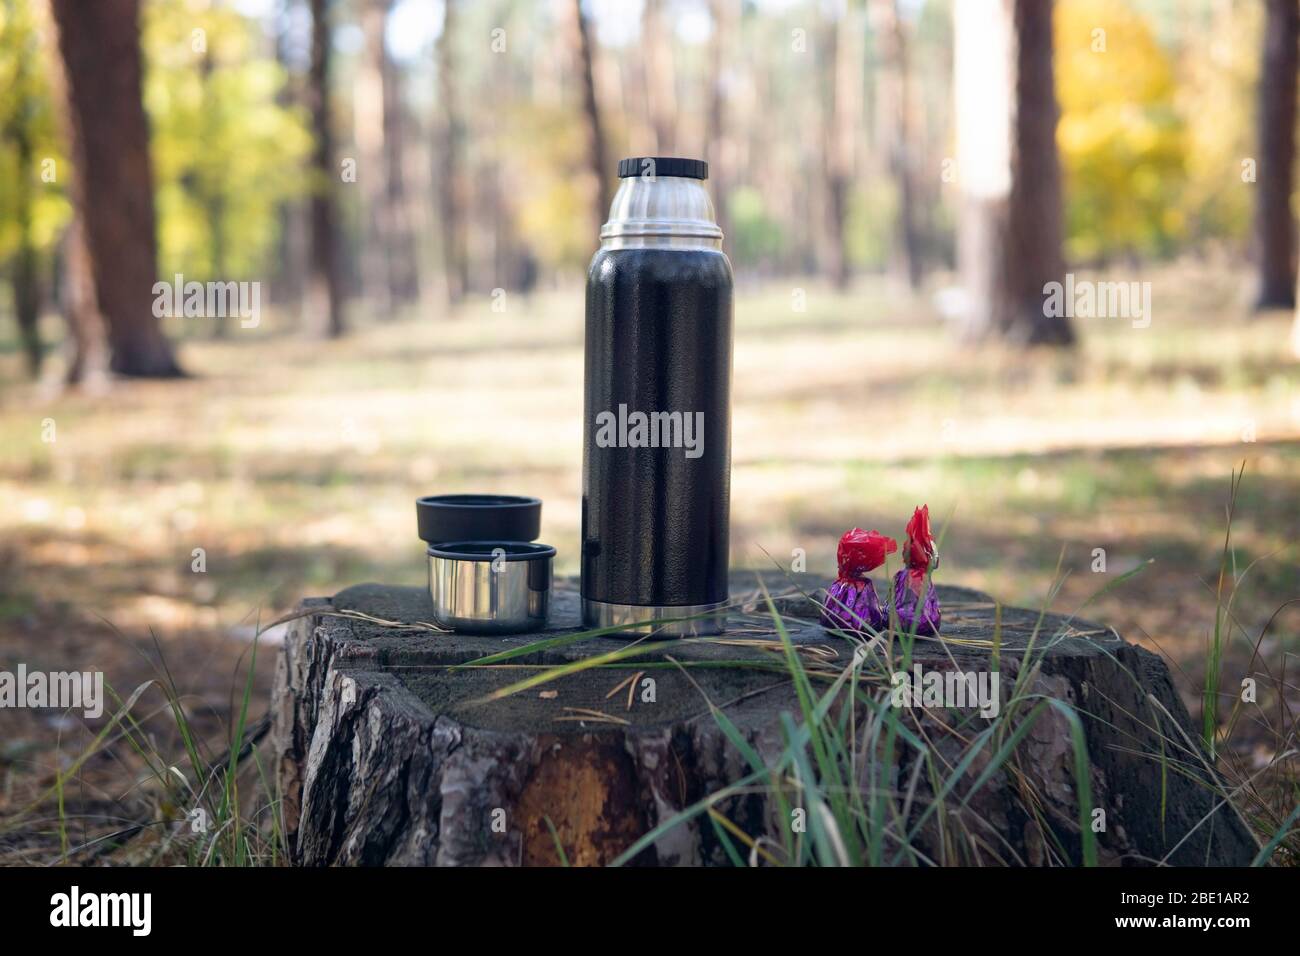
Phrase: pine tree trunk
(451, 190)
(717, 143)
(843, 82)
(26, 272)
(584, 57)
(403, 271)
(1035, 226)
(1274, 223)
(661, 94)
(897, 107)
(113, 188)
(1009, 240)
(27, 301)
(324, 301)
(86, 346)
(291, 258)
(372, 167)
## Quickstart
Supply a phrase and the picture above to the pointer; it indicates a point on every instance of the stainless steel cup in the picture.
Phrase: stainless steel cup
(491, 587)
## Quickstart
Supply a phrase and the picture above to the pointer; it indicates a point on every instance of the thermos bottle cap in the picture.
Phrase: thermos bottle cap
(444, 518)
(662, 166)
(665, 204)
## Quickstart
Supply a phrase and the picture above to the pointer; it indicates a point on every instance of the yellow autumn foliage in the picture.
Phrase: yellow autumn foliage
(1121, 138)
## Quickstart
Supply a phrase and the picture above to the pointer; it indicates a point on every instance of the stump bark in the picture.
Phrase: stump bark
(388, 754)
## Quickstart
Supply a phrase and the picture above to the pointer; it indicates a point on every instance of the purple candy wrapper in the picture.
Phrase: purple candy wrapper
(905, 600)
(852, 605)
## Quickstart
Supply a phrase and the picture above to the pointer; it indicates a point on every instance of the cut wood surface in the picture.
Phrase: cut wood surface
(390, 754)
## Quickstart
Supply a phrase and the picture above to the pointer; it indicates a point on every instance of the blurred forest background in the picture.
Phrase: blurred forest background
(416, 187)
(388, 156)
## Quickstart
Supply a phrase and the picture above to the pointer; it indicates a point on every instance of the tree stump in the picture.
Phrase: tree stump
(389, 756)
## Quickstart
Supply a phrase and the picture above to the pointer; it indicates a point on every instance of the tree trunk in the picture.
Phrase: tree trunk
(290, 266)
(1009, 241)
(26, 272)
(27, 297)
(583, 59)
(324, 305)
(113, 186)
(660, 83)
(511, 265)
(1036, 212)
(451, 186)
(633, 99)
(372, 169)
(403, 270)
(388, 269)
(86, 346)
(840, 127)
(386, 756)
(900, 146)
(717, 144)
(1274, 223)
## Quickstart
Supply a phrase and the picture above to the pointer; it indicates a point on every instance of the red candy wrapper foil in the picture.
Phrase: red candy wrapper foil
(851, 602)
(915, 600)
(862, 551)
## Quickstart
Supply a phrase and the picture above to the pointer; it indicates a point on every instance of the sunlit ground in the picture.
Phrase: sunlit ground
(294, 466)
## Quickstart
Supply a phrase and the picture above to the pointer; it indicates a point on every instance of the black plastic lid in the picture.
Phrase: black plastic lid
(663, 166)
(443, 518)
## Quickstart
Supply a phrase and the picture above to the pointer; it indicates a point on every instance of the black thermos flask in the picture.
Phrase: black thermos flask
(656, 477)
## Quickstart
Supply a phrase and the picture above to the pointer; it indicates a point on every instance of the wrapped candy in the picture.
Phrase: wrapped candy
(911, 585)
(851, 602)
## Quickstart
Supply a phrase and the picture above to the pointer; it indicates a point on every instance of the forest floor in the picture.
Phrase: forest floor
(293, 465)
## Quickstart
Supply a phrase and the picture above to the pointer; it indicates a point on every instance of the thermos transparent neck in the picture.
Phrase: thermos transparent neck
(670, 212)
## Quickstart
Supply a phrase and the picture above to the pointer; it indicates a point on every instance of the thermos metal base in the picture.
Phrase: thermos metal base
(704, 619)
